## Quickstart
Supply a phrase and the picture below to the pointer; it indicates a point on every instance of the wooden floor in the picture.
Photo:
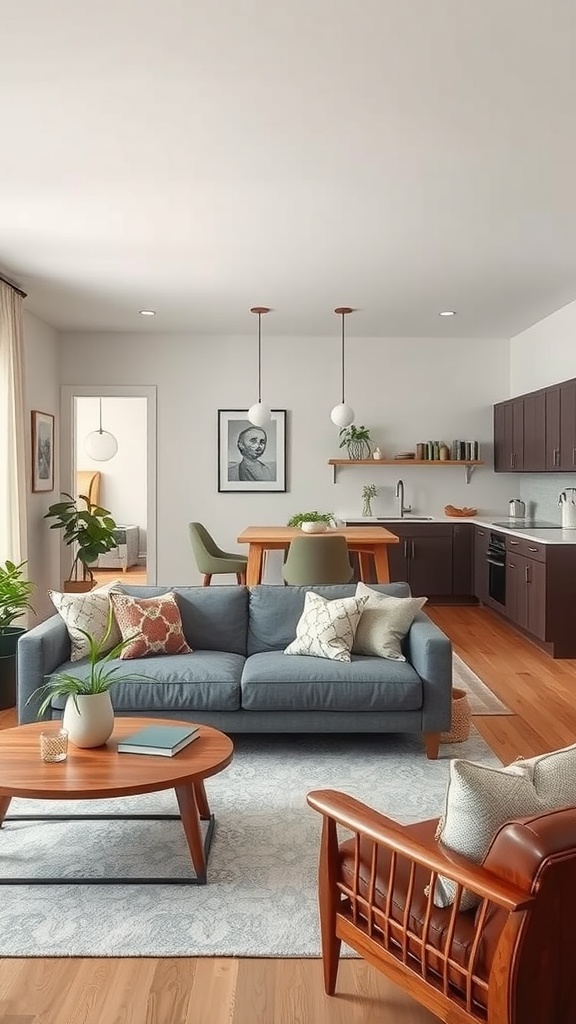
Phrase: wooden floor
(232, 991)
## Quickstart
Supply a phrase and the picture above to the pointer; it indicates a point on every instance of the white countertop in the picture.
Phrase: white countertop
(558, 536)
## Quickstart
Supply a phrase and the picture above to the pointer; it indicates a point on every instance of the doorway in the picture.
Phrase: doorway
(126, 483)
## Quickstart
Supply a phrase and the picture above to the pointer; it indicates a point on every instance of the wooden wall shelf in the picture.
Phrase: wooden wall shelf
(468, 464)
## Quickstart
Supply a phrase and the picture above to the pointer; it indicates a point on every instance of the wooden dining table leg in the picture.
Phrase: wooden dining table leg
(4, 805)
(254, 566)
(190, 817)
(381, 563)
(364, 565)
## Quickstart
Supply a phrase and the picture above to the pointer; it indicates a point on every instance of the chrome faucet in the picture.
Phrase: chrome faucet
(402, 508)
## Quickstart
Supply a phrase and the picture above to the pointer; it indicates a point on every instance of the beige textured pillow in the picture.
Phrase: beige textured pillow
(480, 799)
(90, 612)
(326, 628)
(385, 622)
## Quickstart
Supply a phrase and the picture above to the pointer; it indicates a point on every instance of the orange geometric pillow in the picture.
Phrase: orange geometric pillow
(154, 622)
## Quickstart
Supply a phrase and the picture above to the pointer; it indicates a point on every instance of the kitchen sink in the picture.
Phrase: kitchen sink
(405, 519)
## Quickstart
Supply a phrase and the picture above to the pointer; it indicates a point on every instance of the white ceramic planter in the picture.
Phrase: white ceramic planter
(313, 527)
(92, 723)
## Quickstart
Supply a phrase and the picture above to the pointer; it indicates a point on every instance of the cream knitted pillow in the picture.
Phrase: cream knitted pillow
(326, 629)
(480, 799)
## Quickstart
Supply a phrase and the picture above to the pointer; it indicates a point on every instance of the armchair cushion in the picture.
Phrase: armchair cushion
(480, 799)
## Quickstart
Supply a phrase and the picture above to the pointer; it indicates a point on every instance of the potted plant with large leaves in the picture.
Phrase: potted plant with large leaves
(90, 528)
(88, 712)
(15, 594)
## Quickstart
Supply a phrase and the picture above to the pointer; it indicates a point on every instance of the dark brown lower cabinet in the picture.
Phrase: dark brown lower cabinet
(481, 542)
(541, 593)
(423, 558)
(526, 594)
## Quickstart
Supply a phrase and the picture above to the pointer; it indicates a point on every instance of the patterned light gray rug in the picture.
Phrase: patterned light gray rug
(260, 899)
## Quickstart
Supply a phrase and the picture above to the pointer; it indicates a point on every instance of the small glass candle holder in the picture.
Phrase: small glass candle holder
(54, 745)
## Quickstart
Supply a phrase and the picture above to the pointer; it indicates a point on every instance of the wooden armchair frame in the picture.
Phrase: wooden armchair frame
(354, 912)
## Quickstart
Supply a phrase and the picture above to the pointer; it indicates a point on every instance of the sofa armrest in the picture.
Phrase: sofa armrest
(429, 651)
(40, 651)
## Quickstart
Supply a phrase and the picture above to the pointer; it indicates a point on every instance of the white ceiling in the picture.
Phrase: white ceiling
(202, 156)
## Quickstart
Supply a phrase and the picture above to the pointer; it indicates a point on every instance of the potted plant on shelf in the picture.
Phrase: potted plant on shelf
(15, 593)
(357, 441)
(90, 528)
(313, 522)
(88, 712)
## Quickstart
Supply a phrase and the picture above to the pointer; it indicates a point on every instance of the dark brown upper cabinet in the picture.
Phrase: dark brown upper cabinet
(509, 436)
(536, 432)
(568, 425)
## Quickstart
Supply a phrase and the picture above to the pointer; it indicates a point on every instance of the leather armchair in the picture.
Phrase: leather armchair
(509, 961)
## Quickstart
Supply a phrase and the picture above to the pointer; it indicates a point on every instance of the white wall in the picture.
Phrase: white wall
(544, 354)
(42, 392)
(404, 390)
(123, 478)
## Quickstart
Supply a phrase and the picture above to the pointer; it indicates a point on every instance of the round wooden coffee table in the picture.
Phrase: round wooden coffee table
(102, 772)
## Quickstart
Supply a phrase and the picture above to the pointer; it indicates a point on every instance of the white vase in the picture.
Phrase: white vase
(314, 527)
(91, 723)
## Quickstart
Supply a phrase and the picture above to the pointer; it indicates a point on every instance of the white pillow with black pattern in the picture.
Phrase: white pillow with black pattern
(326, 629)
(89, 612)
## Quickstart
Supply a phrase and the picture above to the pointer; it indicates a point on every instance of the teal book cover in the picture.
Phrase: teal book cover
(167, 736)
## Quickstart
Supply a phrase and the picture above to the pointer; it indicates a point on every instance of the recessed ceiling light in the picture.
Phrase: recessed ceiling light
(447, 312)
(147, 312)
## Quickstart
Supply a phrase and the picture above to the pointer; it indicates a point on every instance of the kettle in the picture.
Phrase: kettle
(567, 502)
(516, 509)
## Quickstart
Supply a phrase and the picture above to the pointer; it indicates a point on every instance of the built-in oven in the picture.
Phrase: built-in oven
(496, 558)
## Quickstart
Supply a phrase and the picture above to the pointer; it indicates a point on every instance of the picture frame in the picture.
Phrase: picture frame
(251, 458)
(42, 451)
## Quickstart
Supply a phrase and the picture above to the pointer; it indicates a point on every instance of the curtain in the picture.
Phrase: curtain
(12, 432)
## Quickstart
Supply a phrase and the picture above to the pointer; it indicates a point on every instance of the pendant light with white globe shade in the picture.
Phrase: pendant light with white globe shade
(100, 445)
(342, 415)
(259, 414)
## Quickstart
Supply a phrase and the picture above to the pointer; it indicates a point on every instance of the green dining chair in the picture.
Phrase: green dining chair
(211, 560)
(317, 559)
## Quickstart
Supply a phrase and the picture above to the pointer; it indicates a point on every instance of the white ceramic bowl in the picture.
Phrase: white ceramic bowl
(313, 527)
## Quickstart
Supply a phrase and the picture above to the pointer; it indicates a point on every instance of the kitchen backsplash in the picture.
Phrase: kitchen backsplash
(540, 492)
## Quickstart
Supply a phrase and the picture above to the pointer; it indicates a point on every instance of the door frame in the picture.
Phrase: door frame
(68, 394)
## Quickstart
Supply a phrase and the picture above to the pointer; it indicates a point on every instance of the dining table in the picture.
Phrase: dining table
(369, 542)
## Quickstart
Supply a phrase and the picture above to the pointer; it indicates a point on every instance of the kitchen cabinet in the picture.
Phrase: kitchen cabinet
(481, 542)
(423, 558)
(567, 441)
(462, 559)
(536, 432)
(509, 436)
(526, 592)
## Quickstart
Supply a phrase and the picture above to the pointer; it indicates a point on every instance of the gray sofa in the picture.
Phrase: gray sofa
(239, 680)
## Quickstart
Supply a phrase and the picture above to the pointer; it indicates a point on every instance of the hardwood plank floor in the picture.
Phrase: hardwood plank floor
(258, 991)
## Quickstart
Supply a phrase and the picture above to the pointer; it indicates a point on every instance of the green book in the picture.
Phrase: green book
(165, 740)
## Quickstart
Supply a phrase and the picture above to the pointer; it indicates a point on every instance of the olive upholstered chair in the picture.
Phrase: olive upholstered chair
(211, 560)
(317, 559)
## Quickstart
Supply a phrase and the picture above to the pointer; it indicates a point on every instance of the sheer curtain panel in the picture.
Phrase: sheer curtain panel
(12, 432)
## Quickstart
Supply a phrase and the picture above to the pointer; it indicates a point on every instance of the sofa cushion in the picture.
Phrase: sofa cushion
(274, 681)
(384, 623)
(275, 611)
(202, 681)
(149, 625)
(213, 618)
(326, 629)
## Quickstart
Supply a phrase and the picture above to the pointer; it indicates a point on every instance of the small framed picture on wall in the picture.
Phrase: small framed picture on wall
(42, 451)
(251, 458)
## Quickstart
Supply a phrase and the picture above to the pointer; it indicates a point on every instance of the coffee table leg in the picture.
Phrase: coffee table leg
(4, 805)
(202, 800)
(190, 816)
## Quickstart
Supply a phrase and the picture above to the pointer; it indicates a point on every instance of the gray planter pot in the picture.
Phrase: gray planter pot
(8, 646)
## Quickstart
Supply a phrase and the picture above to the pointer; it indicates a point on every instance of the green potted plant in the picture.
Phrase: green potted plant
(312, 522)
(357, 441)
(90, 528)
(88, 713)
(369, 491)
(15, 593)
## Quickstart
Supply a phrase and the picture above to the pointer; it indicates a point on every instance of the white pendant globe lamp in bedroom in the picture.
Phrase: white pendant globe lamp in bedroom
(259, 414)
(101, 445)
(343, 414)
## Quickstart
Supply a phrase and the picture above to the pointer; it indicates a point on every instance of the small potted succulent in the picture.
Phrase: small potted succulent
(357, 441)
(15, 593)
(313, 522)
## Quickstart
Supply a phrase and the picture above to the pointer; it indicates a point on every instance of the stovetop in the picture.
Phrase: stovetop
(528, 524)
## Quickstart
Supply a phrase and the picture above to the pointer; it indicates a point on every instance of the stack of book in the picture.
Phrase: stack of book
(465, 450)
(165, 740)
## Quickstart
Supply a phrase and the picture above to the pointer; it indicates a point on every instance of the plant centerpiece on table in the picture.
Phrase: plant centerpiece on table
(357, 441)
(312, 522)
(369, 491)
(15, 594)
(88, 713)
(90, 528)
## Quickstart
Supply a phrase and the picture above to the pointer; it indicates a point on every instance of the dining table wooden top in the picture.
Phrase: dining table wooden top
(371, 541)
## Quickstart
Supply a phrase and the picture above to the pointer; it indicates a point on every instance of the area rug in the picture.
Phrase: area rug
(260, 900)
(482, 701)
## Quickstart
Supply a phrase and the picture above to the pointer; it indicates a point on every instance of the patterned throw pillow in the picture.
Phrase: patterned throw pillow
(326, 629)
(385, 622)
(479, 800)
(89, 612)
(154, 622)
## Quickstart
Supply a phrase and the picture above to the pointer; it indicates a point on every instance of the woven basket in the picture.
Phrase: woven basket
(461, 715)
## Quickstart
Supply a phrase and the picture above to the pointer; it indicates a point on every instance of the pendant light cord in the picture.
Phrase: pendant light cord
(259, 357)
(342, 357)
(100, 427)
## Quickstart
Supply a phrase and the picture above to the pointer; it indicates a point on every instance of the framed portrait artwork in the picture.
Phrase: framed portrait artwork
(251, 458)
(42, 451)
